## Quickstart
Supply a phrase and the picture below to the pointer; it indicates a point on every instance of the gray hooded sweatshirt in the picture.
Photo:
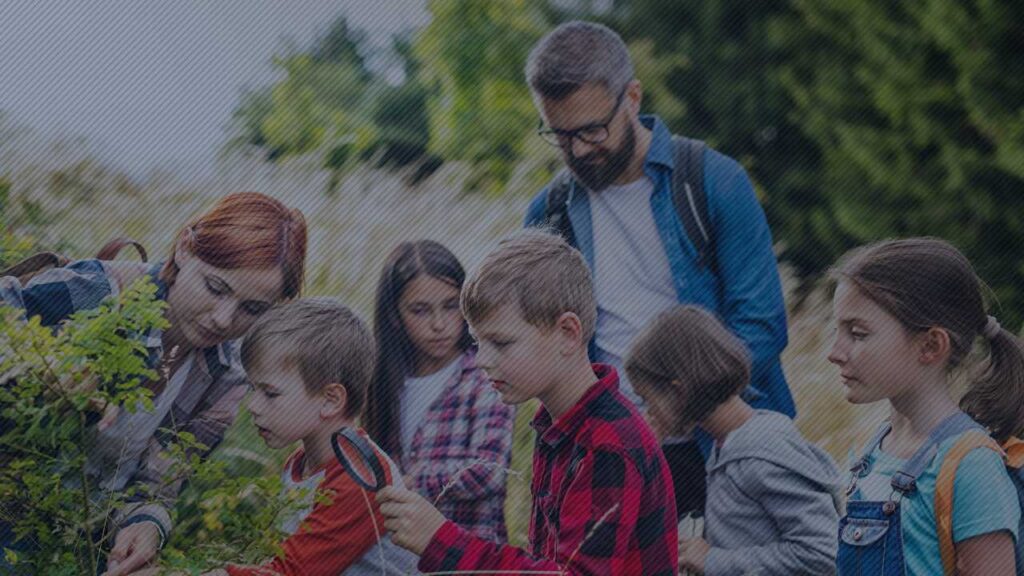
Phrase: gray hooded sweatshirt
(773, 503)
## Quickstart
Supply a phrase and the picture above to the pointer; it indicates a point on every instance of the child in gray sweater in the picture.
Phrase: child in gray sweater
(773, 498)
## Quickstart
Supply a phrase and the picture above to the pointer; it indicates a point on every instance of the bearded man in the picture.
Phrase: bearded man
(661, 220)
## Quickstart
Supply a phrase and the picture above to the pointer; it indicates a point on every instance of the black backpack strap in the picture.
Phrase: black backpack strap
(689, 197)
(556, 206)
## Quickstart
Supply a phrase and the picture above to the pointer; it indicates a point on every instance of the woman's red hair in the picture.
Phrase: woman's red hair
(246, 230)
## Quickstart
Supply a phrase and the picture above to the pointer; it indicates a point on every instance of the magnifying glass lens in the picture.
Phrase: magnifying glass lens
(357, 456)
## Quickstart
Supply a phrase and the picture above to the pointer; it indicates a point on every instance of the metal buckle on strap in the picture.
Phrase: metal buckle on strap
(892, 504)
(903, 483)
(857, 471)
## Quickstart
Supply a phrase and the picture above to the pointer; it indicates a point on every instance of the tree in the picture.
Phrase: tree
(917, 109)
(714, 71)
(472, 55)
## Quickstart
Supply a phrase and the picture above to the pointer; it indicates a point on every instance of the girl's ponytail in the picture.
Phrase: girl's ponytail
(995, 398)
(926, 283)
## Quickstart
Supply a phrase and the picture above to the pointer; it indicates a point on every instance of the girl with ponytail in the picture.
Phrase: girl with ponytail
(908, 312)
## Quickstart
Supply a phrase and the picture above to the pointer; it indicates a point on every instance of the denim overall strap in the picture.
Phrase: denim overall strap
(870, 534)
(861, 465)
(905, 480)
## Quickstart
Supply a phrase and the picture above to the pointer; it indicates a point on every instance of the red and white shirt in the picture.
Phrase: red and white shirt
(336, 538)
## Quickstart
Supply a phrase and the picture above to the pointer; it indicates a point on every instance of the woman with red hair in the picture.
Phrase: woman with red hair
(226, 267)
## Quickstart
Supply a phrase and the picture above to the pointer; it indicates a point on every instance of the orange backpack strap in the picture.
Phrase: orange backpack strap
(1014, 449)
(944, 491)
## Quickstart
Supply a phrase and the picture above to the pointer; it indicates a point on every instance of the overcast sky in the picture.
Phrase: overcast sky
(152, 84)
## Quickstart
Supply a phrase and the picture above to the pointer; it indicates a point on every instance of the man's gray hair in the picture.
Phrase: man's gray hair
(575, 54)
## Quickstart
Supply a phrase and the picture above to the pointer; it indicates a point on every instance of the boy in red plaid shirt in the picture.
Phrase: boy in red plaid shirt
(602, 493)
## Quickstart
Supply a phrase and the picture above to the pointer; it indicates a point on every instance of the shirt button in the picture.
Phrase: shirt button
(857, 534)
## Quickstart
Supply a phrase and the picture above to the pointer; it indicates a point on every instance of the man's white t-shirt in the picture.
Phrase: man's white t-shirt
(632, 279)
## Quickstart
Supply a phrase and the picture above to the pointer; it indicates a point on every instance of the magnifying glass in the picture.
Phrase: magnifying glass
(357, 456)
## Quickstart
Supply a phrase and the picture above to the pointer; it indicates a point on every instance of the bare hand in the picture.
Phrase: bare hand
(693, 555)
(411, 520)
(134, 547)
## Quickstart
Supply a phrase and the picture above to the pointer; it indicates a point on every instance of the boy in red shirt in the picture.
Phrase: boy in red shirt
(310, 362)
(602, 493)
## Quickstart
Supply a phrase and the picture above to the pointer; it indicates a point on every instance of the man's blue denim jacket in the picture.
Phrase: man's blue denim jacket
(742, 287)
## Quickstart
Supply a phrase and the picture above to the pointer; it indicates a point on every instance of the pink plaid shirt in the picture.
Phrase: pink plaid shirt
(462, 447)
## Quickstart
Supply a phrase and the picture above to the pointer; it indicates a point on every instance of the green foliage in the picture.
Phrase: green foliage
(472, 56)
(52, 385)
(14, 247)
(400, 116)
(916, 111)
(329, 103)
(856, 120)
(229, 518)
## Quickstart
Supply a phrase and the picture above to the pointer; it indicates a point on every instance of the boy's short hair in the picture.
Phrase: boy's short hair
(686, 354)
(539, 272)
(321, 337)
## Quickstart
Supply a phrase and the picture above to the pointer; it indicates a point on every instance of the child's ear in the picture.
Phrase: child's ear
(570, 329)
(335, 401)
(934, 346)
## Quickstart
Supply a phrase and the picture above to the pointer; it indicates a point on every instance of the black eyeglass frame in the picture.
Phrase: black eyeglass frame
(564, 138)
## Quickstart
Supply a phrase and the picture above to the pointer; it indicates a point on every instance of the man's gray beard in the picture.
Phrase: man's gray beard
(597, 177)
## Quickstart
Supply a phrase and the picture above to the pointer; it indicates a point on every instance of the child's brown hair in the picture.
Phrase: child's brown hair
(538, 271)
(925, 283)
(687, 357)
(323, 339)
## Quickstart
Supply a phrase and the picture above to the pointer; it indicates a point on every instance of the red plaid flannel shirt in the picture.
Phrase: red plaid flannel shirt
(602, 498)
(463, 446)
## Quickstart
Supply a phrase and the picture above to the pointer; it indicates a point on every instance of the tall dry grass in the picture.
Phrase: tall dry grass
(351, 231)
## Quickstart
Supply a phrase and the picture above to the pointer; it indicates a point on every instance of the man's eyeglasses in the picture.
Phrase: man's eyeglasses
(590, 134)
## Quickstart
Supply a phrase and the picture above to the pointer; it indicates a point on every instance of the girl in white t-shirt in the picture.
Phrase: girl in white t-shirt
(429, 406)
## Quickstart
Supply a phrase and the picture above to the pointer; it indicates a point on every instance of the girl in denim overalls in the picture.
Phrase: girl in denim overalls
(908, 312)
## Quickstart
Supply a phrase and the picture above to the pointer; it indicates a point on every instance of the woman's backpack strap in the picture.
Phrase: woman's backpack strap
(111, 249)
(944, 488)
(32, 265)
(40, 262)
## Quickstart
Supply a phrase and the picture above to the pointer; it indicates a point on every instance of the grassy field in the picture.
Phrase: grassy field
(352, 229)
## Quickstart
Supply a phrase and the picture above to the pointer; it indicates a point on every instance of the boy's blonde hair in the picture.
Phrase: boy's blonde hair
(323, 339)
(685, 355)
(537, 271)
